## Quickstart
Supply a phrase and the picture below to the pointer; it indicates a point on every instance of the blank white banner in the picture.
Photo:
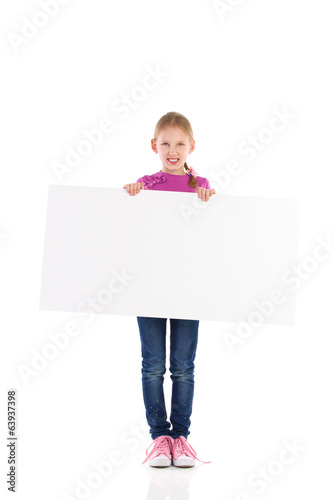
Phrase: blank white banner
(170, 255)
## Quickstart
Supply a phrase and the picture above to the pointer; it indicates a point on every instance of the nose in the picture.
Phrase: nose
(172, 152)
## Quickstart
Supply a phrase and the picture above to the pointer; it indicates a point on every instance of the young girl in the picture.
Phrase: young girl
(173, 142)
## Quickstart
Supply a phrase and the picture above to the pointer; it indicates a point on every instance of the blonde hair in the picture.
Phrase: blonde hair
(178, 120)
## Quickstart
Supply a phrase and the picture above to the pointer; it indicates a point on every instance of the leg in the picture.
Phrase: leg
(153, 335)
(183, 345)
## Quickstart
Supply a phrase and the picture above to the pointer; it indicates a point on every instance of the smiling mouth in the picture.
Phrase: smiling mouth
(174, 160)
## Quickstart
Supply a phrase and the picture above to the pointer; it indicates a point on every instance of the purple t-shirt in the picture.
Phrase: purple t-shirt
(162, 181)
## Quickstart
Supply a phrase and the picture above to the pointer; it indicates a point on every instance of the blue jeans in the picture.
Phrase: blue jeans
(183, 345)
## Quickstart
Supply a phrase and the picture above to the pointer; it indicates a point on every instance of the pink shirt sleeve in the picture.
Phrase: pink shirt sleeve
(206, 184)
(203, 182)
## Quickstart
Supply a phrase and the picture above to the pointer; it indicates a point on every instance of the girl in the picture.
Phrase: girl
(173, 142)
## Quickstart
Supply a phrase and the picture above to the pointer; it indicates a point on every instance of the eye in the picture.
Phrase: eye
(181, 143)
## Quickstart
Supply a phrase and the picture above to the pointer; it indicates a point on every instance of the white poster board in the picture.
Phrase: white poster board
(169, 254)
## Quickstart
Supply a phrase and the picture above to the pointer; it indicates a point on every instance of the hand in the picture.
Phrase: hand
(204, 194)
(134, 188)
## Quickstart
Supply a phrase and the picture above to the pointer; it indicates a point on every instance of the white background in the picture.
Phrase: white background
(226, 74)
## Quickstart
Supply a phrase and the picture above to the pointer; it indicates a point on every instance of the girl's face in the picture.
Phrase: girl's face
(172, 143)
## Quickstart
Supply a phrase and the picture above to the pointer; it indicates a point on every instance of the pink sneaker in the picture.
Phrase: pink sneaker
(160, 456)
(183, 455)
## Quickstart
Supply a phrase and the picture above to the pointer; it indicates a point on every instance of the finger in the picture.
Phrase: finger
(201, 193)
(210, 193)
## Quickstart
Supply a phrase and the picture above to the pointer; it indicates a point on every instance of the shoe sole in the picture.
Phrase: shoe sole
(183, 463)
(159, 463)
